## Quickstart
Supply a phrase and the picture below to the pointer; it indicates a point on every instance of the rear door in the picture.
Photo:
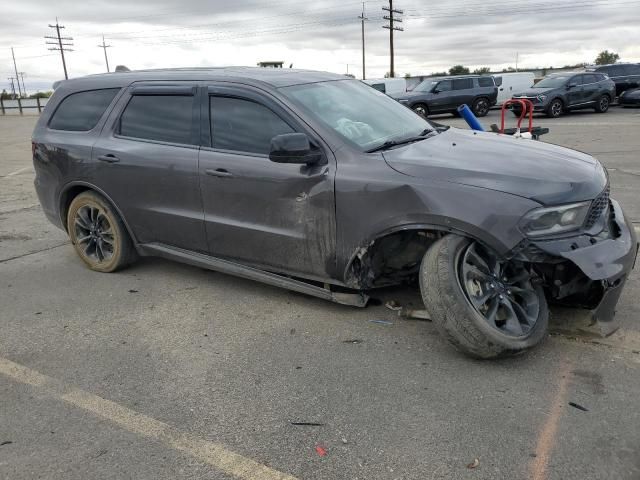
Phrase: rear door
(592, 87)
(463, 92)
(272, 215)
(147, 162)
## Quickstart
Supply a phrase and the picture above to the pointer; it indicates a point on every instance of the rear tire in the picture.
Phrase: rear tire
(481, 106)
(482, 335)
(421, 109)
(98, 234)
(602, 105)
(555, 108)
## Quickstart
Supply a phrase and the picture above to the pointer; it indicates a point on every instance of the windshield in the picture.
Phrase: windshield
(425, 86)
(552, 82)
(358, 112)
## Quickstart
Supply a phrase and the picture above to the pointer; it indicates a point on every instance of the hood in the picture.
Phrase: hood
(532, 92)
(409, 95)
(539, 171)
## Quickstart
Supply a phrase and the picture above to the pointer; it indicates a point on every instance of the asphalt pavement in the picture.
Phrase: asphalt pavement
(166, 371)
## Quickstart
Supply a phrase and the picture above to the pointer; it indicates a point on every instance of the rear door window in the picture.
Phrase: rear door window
(462, 83)
(485, 81)
(589, 78)
(244, 125)
(81, 111)
(163, 118)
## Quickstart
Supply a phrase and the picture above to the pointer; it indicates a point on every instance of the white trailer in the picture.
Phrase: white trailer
(389, 86)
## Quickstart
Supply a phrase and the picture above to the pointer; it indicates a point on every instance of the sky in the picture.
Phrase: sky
(321, 35)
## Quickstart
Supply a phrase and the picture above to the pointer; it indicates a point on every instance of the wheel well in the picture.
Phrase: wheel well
(420, 104)
(390, 259)
(66, 199)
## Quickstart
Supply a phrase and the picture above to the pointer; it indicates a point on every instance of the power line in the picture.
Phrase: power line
(104, 46)
(61, 46)
(13, 88)
(391, 28)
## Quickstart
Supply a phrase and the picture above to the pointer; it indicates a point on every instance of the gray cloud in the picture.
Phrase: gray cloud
(322, 35)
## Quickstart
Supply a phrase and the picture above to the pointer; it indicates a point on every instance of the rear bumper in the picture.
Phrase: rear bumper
(606, 264)
(629, 101)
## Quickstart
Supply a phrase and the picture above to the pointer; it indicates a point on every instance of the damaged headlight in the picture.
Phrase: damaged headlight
(553, 220)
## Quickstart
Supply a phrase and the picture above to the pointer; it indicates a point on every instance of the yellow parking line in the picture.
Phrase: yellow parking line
(207, 452)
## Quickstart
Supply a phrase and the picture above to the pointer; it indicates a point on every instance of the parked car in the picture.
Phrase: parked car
(630, 98)
(625, 75)
(323, 185)
(445, 95)
(390, 86)
(559, 93)
(512, 82)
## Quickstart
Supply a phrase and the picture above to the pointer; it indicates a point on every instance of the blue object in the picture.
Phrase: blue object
(469, 117)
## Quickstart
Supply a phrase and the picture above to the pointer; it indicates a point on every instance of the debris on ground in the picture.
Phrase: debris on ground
(474, 464)
(321, 450)
(355, 341)
(417, 314)
(6, 442)
(344, 440)
(579, 407)
(133, 291)
(382, 322)
(393, 305)
(308, 424)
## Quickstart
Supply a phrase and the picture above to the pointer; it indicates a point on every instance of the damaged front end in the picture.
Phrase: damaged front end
(588, 270)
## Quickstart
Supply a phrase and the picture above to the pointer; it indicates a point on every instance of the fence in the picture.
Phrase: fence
(22, 104)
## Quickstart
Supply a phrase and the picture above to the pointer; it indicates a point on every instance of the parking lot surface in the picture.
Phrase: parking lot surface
(169, 371)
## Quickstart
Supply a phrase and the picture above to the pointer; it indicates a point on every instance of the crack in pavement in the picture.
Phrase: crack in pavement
(33, 253)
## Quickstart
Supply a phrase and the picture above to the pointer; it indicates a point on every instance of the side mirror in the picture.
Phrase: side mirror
(571, 85)
(293, 148)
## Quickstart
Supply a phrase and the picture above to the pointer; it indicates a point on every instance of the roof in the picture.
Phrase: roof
(274, 77)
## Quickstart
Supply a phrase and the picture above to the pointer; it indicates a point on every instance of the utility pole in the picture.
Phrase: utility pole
(59, 41)
(517, 55)
(24, 89)
(391, 28)
(13, 88)
(362, 19)
(104, 47)
(16, 70)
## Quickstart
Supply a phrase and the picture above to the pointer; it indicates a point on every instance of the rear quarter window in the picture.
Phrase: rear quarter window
(462, 83)
(81, 111)
(162, 118)
(485, 82)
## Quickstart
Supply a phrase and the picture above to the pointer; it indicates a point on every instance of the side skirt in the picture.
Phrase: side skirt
(225, 266)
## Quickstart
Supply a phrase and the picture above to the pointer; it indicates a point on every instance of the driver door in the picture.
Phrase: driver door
(442, 99)
(276, 216)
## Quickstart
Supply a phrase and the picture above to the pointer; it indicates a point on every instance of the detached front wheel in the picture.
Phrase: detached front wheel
(484, 306)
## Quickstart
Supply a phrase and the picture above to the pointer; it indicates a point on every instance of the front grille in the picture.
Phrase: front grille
(598, 206)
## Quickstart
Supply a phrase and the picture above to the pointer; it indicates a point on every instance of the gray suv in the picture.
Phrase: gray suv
(323, 185)
(445, 95)
(560, 93)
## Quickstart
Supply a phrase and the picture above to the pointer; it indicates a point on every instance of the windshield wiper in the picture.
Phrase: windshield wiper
(394, 143)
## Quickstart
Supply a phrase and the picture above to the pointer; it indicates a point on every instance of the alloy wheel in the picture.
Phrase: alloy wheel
(501, 291)
(604, 103)
(94, 234)
(556, 108)
(481, 108)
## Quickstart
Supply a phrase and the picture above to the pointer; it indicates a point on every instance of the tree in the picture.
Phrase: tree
(407, 75)
(458, 70)
(41, 94)
(606, 57)
(5, 95)
(482, 70)
(439, 74)
(387, 75)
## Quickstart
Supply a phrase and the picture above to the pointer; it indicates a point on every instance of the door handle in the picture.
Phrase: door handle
(109, 158)
(218, 172)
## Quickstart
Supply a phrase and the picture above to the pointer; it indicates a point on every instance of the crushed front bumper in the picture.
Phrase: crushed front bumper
(606, 262)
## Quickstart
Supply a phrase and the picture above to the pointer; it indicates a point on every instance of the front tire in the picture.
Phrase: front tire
(602, 105)
(479, 312)
(98, 234)
(421, 109)
(555, 108)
